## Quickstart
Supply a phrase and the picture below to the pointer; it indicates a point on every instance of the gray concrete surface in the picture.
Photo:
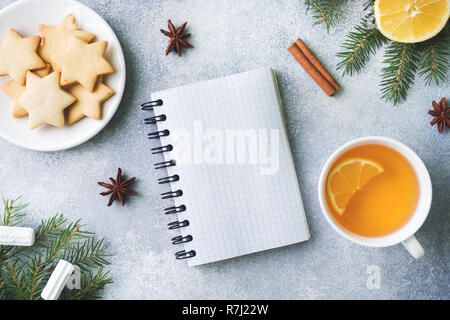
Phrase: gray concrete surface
(229, 37)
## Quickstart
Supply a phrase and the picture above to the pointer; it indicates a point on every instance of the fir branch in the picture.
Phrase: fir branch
(23, 273)
(38, 272)
(91, 286)
(2, 290)
(4, 254)
(360, 45)
(434, 58)
(399, 74)
(13, 278)
(368, 4)
(2, 284)
(64, 239)
(91, 253)
(326, 12)
(12, 214)
(49, 228)
(35, 280)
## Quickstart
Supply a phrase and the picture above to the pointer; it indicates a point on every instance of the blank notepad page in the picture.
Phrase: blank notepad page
(235, 166)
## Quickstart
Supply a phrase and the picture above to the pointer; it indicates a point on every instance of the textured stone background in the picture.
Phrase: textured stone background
(234, 36)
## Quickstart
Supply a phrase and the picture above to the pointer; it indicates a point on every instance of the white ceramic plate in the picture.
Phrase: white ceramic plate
(25, 16)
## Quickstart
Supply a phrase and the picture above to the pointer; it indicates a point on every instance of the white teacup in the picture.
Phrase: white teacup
(405, 234)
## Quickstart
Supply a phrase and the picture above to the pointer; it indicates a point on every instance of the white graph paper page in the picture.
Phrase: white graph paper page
(232, 209)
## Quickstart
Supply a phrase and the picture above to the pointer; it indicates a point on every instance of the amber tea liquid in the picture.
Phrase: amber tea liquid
(387, 202)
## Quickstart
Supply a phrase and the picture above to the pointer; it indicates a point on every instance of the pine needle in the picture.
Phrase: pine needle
(326, 12)
(12, 216)
(91, 285)
(49, 228)
(91, 253)
(368, 4)
(434, 58)
(13, 280)
(24, 271)
(33, 286)
(12, 213)
(399, 74)
(359, 46)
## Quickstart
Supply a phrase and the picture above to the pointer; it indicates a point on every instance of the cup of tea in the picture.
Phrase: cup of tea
(376, 192)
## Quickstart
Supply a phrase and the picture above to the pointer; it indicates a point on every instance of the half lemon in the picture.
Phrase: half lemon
(411, 21)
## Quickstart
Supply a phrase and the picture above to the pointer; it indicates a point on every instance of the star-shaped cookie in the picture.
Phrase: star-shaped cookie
(14, 90)
(45, 101)
(83, 63)
(56, 39)
(88, 103)
(18, 56)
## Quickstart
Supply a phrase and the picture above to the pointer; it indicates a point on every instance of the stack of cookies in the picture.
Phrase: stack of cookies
(58, 79)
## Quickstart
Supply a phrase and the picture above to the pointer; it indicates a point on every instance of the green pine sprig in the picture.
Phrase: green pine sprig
(399, 74)
(33, 284)
(368, 4)
(24, 271)
(359, 46)
(89, 254)
(12, 215)
(91, 286)
(13, 212)
(48, 229)
(434, 58)
(326, 12)
(12, 275)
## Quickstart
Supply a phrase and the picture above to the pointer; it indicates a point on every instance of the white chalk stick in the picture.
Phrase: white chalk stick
(16, 236)
(57, 280)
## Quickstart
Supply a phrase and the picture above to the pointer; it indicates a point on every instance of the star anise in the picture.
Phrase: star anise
(176, 38)
(441, 115)
(118, 189)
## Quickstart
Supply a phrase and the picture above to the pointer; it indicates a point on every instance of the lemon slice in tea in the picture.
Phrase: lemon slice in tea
(347, 177)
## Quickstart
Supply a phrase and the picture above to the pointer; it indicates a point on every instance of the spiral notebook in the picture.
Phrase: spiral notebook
(233, 186)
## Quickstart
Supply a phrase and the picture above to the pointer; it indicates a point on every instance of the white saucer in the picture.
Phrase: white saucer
(25, 16)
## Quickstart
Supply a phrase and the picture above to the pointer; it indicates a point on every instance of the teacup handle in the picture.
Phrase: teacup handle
(414, 247)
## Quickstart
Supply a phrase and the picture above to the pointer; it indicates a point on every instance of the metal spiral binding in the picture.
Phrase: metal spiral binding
(158, 134)
(178, 224)
(184, 254)
(170, 179)
(162, 149)
(181, 239)
(172, 194)
(165, 164)
(149, 106)
(175, 209)
(155, 119)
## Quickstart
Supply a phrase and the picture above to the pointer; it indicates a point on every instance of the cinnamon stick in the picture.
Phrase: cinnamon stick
(312, 58)
(313, 67)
